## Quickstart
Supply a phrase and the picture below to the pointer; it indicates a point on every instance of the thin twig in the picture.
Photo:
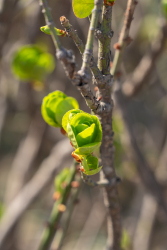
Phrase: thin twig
(147, 175)
(68, 60)
(145, 223)
(50, 230)
(28, 150)
(50, 23)
(91, 228)
(124, 38)
(107, 148)
(78, 42)
(140, 76)
(68, 213)
(33, 188)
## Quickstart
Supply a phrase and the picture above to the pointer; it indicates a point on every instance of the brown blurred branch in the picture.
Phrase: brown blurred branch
(124, 38)
(28, 150)
(146, 174)
(91, 228)
(150, 207)
(33, 188)
(140, 76)
(6, 17)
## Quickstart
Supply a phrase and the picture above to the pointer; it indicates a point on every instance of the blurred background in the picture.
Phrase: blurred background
(28, 145)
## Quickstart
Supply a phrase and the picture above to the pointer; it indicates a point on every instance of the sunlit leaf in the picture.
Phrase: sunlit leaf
(82, 8)
(55, 105)
(31, 63)
(46, 30)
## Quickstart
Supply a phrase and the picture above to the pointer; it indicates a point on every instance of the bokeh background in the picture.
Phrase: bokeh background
(26, 141)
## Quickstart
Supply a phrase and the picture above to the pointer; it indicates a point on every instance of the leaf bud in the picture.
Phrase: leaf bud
(55, 105)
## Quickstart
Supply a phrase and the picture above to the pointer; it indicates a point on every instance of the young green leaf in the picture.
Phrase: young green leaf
(91, 165)
(82, 8)
(84, 131)
(31, 63)
(164, 7)
(59, 32)
(55, 105)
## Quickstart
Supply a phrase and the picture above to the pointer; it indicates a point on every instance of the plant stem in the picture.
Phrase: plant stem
(104, 56)
(81, 47)
(124, 38)
(50, 230)
(107, 148)
(90, 39)
(67, 215)
(50, 23)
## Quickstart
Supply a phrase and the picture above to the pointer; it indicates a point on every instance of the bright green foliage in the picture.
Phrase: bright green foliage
(82, 8)
(31, 63)
(2, 209)
(125, 241)
(46, 30)
(61, 179)
(85, 133)
(91, 165)
(164, 7)
(55, 105)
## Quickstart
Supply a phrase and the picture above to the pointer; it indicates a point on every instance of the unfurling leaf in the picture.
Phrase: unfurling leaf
(85, 133)
(55, 105)
(59, 32)
(91, 165)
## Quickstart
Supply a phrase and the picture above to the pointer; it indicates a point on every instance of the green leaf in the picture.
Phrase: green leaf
(2, 209)
(71, 135)
(82, 8)
(87, 136)
(164, 7)
(31, 63)
(49, 106)
(91, 165)
(45, 114)
(64, 106)
(87, 149)
(125, 241)
(46, 30)
(68, 116)
(55, 105)
(92, 172)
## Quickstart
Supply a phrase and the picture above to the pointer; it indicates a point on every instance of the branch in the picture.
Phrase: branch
(140, 76)
(103, 183)
(50, 230)
(91, 228)
(68, 213)
(28, 150)
(50, 23)
(107, 148)
(124, 38)
(78, 42)
(145, 172)
(145, 223)
(33, 188)
(68, 60)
